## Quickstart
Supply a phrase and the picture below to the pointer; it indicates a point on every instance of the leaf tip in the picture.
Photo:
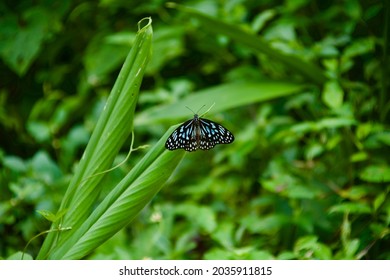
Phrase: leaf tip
(149, 19)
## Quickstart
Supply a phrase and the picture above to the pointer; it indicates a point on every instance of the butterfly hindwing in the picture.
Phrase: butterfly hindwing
(213, 133)
(182, 137)
(198, 133)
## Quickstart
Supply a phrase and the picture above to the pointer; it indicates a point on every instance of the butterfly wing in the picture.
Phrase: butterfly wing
(212, 133)
(183, 137)
(198, 133)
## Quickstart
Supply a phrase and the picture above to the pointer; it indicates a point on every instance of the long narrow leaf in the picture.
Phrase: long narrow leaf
(226, 96)
(311, 71)
(123, 203)
(112, 129)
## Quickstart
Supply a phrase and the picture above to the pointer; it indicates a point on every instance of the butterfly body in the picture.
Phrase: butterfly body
(198, 133)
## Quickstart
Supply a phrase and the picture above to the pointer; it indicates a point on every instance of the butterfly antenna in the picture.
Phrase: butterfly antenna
(200, 109)
(190, 109)
(208, 109)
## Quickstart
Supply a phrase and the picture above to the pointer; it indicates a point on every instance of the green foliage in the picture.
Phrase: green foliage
(301, 84)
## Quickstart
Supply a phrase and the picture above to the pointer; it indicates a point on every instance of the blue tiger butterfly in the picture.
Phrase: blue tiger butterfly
(198, 133)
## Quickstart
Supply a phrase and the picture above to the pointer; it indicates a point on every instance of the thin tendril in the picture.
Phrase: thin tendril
(116, 166)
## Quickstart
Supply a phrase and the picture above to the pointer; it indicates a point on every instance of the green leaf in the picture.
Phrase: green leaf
(288, 186)
(260, 46)
(379, 200)
(223, 234)
(309, 247)
(112, 129)
(218, 254)
(351, 207)
(201, 216)
(333, 94)
(261, 19)
(19, 256)
(39, 130)
(47, 215)
(356, 192)
(269, 224)
(335, 123)
(360, 47)
(21, 43)
(327, 123)
(258, 255)
(15, 164)
(299, 191)
(99, 61)
(384, 137)
(44, 167)
(286, 255)
(122, 204)
(224, 96)
(314, 150)
(170, 42)
(359, 156)
(376, 174)
(351, 247)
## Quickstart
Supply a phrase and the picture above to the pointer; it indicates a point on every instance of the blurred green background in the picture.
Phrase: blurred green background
(303, 85)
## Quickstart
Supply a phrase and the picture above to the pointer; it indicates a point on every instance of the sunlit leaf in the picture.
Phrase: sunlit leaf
(333, 94)
(350, 207)
(376, 173)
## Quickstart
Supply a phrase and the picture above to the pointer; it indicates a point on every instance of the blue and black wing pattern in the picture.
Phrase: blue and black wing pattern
(198, 133)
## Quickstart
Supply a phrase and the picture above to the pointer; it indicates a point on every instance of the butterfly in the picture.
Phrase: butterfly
(198, 133)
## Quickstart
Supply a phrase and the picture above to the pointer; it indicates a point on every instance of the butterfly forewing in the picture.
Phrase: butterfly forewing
(198, 133)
